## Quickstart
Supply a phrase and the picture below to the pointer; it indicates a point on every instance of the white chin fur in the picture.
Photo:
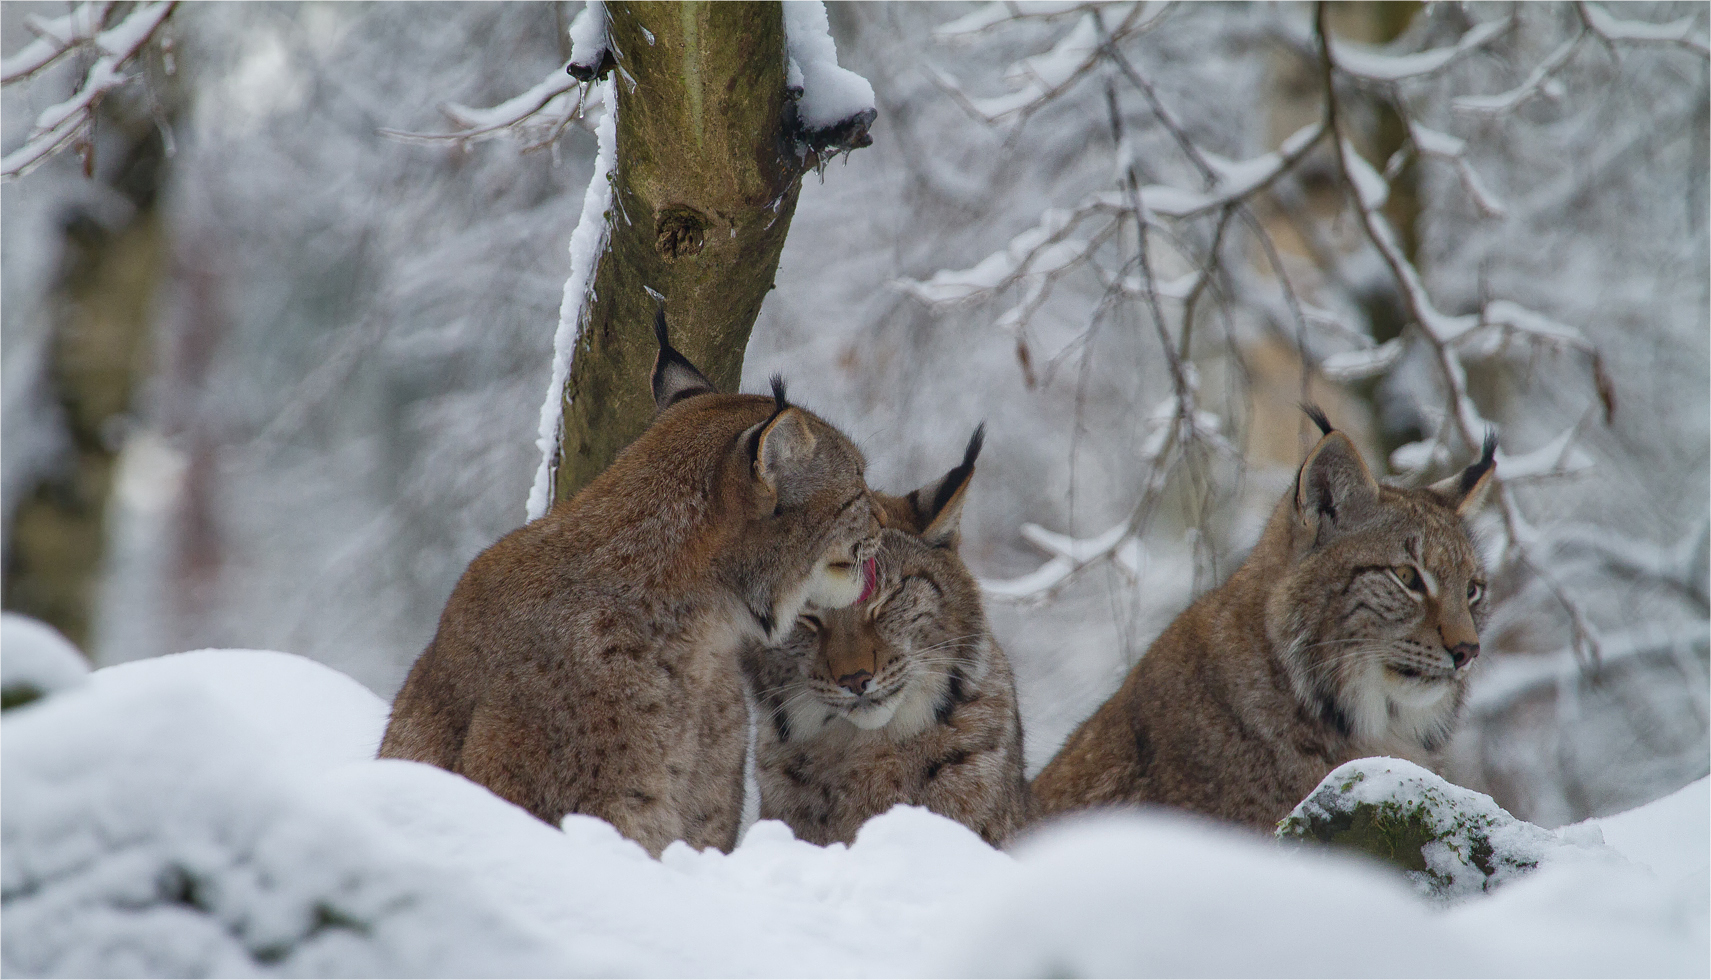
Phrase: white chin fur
(831, 588)
(869, 719)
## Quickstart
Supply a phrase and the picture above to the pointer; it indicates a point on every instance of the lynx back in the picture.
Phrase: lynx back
(1349, 631)
(588, 661)
(904, 698)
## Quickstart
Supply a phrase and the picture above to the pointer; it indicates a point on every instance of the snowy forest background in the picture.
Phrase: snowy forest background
(308, 358)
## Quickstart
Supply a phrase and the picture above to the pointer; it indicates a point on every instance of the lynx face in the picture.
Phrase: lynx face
(887, 662)
(1378, 620)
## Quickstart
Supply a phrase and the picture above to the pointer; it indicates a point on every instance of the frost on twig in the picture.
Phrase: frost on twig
(1119, 236)
(1037, 80)
(1366, 64)
(113, 47)
(536, 118)
(1451, 337)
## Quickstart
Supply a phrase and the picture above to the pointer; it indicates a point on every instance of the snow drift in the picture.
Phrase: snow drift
(220, 813)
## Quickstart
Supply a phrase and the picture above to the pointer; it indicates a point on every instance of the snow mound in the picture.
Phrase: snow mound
(1671, 836)
(1450, 842)
(315, 715)
(148, 829)
(220, 813)
(1149, 894)
(35, 660)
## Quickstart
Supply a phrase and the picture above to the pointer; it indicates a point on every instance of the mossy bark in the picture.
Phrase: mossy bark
(99, 356)
(704, 186)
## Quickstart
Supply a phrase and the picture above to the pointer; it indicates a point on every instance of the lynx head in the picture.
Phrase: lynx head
(1377, 615)
(798, 524)
(898, 659)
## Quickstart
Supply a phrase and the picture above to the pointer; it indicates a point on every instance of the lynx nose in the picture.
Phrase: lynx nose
(856, 683)
(1463, 654)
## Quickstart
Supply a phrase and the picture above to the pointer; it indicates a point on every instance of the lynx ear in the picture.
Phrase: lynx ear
(674, 378)
(937, 507)
(1466, 491)
(783, 450)
(1334, 485)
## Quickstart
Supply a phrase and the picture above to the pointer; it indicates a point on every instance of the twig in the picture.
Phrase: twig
(70, 120)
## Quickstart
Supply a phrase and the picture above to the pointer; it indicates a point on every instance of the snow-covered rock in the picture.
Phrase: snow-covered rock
(35, 660)
(1450, 842)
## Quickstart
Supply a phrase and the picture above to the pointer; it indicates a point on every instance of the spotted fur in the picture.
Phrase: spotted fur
(1349, 632)
(903, 699)
(588, 661)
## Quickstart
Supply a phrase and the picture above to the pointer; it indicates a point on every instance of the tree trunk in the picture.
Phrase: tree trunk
(705, 182)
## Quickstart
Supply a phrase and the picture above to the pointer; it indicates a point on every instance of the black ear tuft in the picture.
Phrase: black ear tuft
(950, 485)
(975, 441)
(1319, 418)
(1470, 477)
(674, 378)
(662, 335)
(778, 396)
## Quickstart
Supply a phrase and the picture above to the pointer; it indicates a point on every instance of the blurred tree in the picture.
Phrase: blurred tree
(98, 353)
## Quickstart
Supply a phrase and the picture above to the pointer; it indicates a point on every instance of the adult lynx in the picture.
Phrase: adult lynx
(1348, 632)
(588, 661)
(902, 699)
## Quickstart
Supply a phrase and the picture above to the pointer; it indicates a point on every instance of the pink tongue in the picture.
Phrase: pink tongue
(869, 580)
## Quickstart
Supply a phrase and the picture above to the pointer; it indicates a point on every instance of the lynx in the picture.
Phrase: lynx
(588, 661)
(1348, 632)
(905, 698)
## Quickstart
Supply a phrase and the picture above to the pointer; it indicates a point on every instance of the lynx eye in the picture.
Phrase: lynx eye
(811, 622)
(1475, 592)
(1410, 578)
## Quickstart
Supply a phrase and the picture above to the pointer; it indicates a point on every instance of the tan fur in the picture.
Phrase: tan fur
(1315, 652)
(937, 722)
(587, 662)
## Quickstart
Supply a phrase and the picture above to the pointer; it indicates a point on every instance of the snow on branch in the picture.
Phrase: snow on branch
(999, 12)
(1442, 146)
(1537, 81)
(1611, 30)
(834, 107)
(1173, 426)
(1052, 245)
(1374, 65)
(69, 121)
(1681, 566)
(54, 38)
(1234, 180)
(1444, 335)
(1513, 679)
(1039, 79)
(536, 117)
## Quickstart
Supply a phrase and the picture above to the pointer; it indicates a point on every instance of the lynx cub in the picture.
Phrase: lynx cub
(588, 661)
(902, 699)
(1348, 632)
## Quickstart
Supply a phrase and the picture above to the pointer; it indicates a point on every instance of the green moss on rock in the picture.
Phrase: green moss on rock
(1449, 841)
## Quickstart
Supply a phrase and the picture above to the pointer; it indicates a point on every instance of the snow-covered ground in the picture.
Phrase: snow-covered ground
(221, 813)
